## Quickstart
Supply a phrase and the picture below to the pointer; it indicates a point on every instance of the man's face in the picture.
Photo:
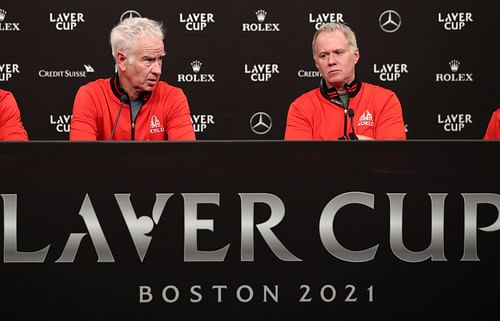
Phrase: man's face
(335, 59)
(142, 67)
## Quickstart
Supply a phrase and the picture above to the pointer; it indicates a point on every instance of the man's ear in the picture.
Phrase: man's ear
(356, 55)
(121, 60)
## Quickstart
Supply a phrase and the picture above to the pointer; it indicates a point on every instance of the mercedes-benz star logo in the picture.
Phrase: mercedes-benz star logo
(389, 21)
(130, 14)
(261, 123)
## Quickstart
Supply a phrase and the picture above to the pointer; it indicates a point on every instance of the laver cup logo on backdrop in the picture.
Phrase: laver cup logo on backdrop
(455, 21)
(261, 72)
(202, 121)
(390, 72)
(454, 76)
(8, 26)
(320, 19)
(196, 76)
(454, 122)
(61, 122)
(66, 21)
(7, 71)
(261, 25)
(197, 21)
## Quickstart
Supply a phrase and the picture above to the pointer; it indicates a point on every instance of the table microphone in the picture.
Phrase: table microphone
(123, 99)
(352, 135)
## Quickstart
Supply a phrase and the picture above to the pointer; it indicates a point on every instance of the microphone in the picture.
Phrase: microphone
(123, 99)
(352, 135)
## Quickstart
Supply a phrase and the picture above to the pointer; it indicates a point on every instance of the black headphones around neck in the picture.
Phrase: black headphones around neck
(333, 96)
(120, 93)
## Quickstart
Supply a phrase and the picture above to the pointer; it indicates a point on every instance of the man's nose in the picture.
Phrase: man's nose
(332, 60)
(156, 68)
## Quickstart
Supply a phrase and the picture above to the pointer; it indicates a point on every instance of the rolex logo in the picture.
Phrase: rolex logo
(196, 76)
(454, 76)
(454, 64)
(2, 15)
(196, 65)
(261, 15)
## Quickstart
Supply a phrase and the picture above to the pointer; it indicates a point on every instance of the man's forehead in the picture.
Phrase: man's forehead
(332, 35)
(332, 38)
(148, 44)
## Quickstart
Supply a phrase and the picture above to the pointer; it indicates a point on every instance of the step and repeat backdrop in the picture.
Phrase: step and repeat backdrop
(242, 63)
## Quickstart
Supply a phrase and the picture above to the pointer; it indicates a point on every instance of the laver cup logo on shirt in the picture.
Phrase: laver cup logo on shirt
(366, 119)
(155, 125)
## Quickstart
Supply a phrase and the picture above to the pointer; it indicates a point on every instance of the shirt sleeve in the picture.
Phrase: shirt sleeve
(179, 125)
(11, 127)
(298, 127)
(390, 124)
(84, 119)
(493, 129)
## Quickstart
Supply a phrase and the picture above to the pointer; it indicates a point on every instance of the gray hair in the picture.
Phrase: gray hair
(126, 33)
(334, 26)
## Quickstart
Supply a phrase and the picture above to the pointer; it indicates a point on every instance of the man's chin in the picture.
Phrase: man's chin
(150, 86)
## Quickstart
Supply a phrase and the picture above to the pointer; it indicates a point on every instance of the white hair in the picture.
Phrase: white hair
(125, 34)
(333, 26)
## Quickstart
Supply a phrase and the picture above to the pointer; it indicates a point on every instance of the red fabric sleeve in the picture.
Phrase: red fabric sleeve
(493, 130)
(179, 125)
(11, 127)
(298, 127)
(390, 124)
(84, 119)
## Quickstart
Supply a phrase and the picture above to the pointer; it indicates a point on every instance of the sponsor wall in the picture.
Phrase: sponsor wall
(242, 63)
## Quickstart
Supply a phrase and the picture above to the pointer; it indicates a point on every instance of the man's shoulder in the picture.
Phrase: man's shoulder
(308, 95)
(4, 94)
(165, 86)
(97, 83)
(377, 89)
(164, 89)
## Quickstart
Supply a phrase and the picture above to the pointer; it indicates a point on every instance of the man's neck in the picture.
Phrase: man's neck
(133, 94)
(342, 88)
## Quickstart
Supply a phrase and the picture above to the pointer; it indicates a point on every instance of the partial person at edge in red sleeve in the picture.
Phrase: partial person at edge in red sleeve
(11, 126)
(135, 104)
(343, 108)
(493, 129)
